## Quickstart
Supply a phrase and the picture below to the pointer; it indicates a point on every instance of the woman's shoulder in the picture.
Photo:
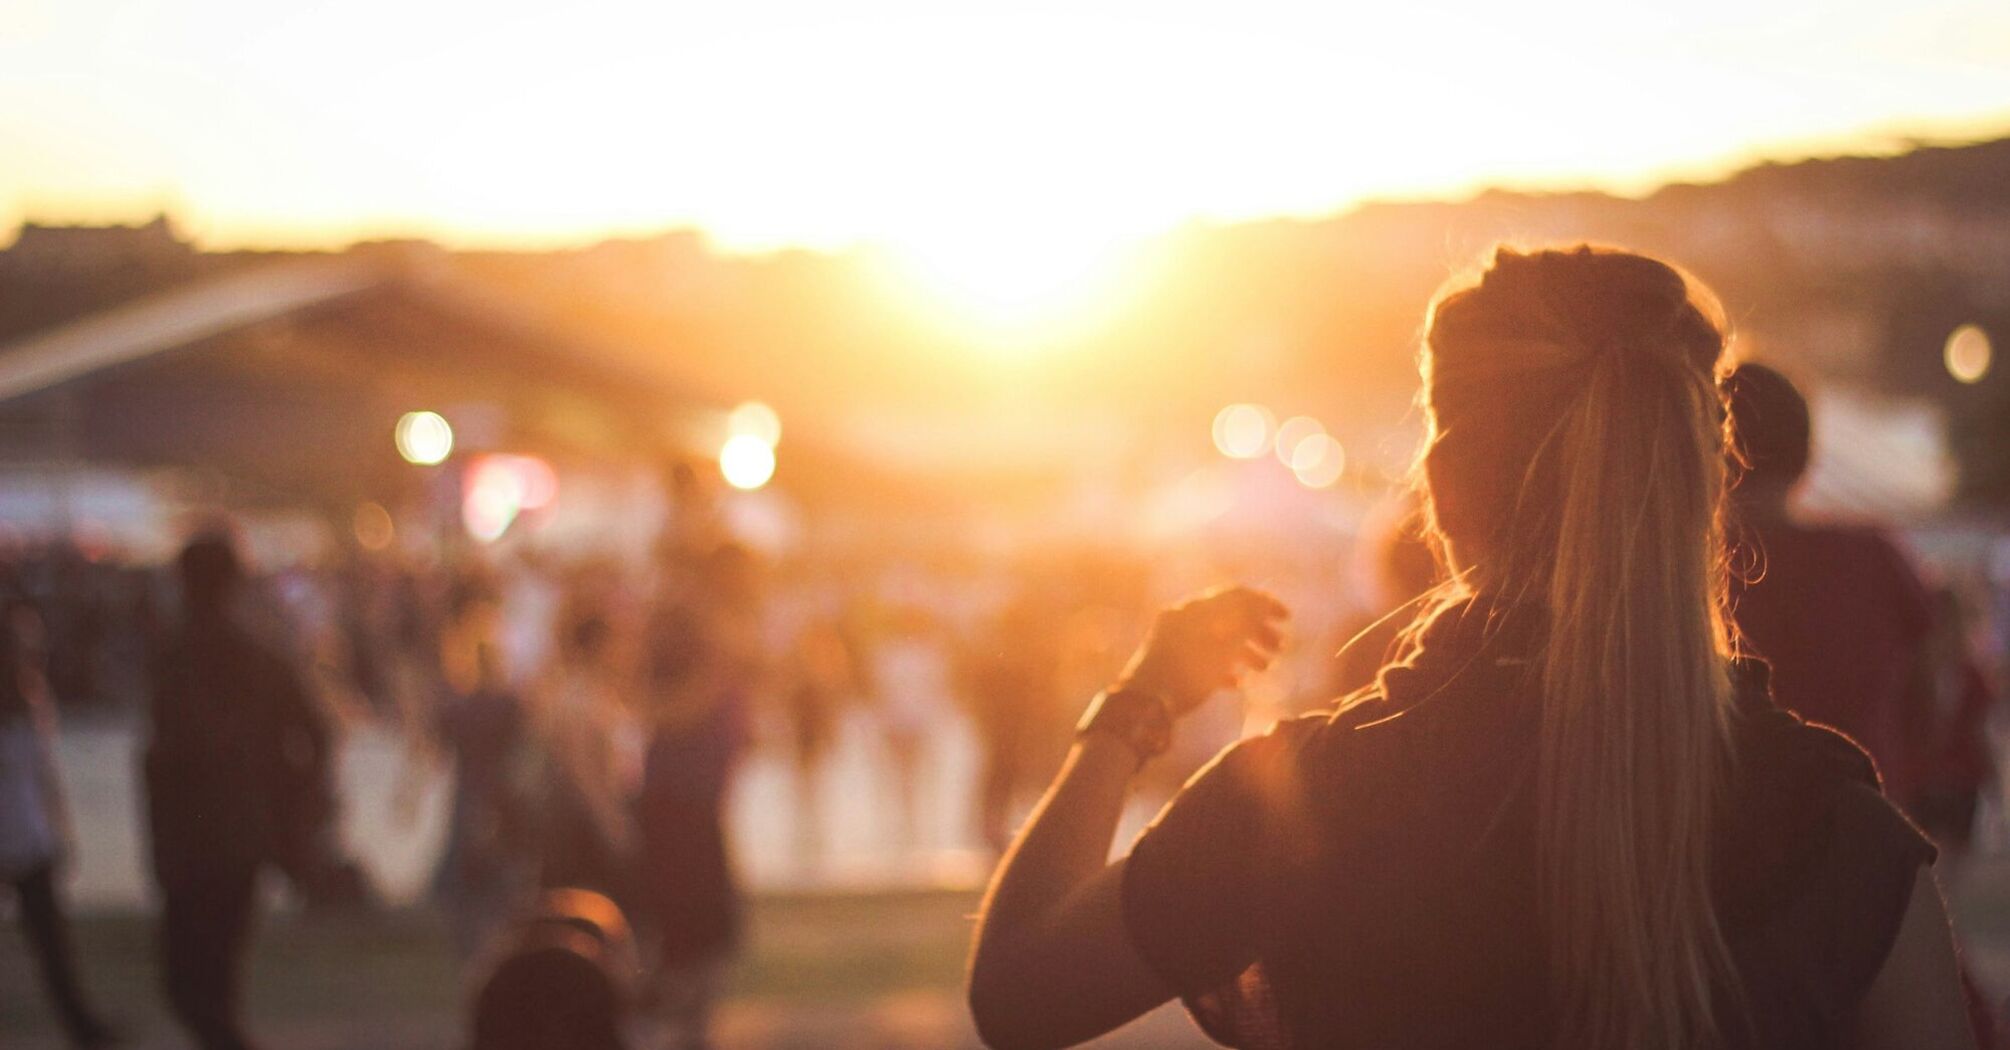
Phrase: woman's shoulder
(1777, 752)
(1266, 756)
(1813, 858)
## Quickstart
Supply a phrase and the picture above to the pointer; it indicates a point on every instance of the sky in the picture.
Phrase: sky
(1055, 129)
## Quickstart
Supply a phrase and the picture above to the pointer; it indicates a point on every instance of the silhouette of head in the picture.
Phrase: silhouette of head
(1770, 432)
(1624, 336)
(210, 572)
(562, 981)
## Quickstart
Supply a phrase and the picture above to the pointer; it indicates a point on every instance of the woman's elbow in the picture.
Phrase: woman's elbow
(1005, 1019)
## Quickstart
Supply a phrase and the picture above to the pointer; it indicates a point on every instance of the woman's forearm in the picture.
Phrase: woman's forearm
(1065, 842)
(1054, 963)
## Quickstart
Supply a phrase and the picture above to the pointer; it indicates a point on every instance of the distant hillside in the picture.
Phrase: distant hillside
(1849, 270)
(1973, 176)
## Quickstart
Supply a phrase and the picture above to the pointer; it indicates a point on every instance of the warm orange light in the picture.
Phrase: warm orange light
(927, 117)
(746, 462)
(1016, 280)
(424, 438)
(1969, 354)
(1318, 461)
(490, 503)
(1243, 431)
(498, 488)
(373, 526)
(1292, 433)
(756, 420)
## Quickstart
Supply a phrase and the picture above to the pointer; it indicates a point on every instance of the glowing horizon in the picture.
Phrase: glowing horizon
(1062, 132)
(213, 233)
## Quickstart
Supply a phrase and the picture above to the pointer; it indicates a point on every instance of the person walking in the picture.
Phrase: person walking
(704, 661)
(34, 827)
(1854, 637)
(235, 778)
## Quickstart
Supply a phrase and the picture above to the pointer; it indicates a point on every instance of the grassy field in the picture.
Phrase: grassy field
(864, 970)
(872, 970)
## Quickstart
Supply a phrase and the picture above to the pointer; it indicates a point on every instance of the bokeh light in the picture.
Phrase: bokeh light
(536, 481)
(373, 526)
(746, 461)
(756, 420)
(424, 438)
(1291, 434)
(1243, 431)
(498, 488)
(1318, 461)
(492, 496)
(1969, 354)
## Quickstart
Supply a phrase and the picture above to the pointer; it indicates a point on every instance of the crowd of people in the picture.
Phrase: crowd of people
(593, 715)
(590, 717)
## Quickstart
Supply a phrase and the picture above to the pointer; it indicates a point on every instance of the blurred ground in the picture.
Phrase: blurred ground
(828, 971)
(824, 969)
(864, 971)
(394, 815)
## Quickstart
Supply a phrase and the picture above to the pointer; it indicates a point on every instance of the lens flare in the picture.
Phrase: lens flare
(1243, 431)
(746, 461)
(424, 438)
(1969, 354)
(373, 526)
(1318, 461)
(1291, 434)
(755, 420)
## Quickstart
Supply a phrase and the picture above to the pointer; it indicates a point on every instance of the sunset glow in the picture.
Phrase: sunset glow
(1013, 288)
(959, 139)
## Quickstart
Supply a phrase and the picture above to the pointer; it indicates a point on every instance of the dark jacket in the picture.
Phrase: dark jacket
(1367, 878)
(236, 765)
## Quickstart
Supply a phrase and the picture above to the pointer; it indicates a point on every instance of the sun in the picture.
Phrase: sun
(1015, 288)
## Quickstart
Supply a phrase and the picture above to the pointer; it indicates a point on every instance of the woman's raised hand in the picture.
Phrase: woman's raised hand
(1205, 643)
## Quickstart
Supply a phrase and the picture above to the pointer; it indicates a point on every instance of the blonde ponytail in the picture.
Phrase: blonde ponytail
(1577, 461)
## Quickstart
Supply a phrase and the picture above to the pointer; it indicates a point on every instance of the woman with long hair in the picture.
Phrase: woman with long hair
(1569, 816)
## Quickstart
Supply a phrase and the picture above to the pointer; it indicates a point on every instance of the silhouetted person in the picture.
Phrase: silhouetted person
(591, 743)
(819, 678)
(910, 675)
(1836, 610)
(1956, 763)
(235, 771)
(703, 662)
(1571, 819)
(33, 824)
(1012, 671)
(489, 866)
(564, 981)
(1844, 621)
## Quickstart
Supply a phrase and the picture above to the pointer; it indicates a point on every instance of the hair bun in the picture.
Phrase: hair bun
(1598, 300)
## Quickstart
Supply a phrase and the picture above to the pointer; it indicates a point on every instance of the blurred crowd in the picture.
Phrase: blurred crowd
(593, 711)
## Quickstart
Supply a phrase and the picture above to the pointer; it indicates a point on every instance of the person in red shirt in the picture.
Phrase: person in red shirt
(1837, 610)
(1955, 761)
(1853, 636)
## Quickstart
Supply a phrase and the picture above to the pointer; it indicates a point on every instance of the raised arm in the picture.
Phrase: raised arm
(1052, 964)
